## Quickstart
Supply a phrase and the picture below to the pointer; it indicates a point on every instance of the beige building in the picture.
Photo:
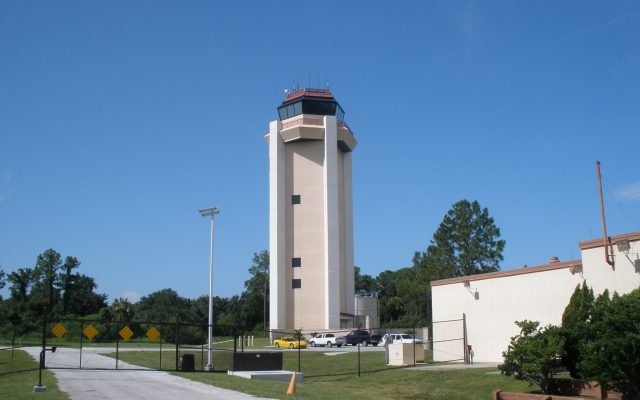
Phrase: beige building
(310, 215)
(492, 302)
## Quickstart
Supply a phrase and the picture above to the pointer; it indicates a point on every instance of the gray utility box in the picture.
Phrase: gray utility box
(405, 353)
(250, 361)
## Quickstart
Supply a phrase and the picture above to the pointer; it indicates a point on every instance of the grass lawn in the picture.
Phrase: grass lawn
(18, 376)
(344, 383)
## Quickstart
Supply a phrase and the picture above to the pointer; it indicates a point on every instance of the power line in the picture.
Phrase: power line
(624, 211)
(624, 189)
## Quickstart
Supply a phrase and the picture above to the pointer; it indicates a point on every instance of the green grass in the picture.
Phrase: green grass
(20, 374)
(471, 384)
(335, 377)
(312, 363)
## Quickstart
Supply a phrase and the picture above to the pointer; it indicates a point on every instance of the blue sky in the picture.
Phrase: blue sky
(120, 119)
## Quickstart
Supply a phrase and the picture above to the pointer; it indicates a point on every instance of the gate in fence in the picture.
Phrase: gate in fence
(450, 340)
(126, 345)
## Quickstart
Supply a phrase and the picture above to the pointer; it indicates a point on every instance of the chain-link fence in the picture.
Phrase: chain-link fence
(183, 346)
(112, 345)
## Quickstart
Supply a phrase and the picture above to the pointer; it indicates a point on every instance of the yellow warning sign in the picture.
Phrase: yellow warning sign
(126, 333)
(153, 334)
(58, 330)
(90, 331)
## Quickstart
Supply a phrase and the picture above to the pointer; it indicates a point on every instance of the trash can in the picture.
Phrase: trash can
(188, 363)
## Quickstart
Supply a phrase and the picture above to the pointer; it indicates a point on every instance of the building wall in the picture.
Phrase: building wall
(305, 231)
(307, 161)
(277, 256)
(333, 225)
(349, 278)
(490, 314)
(536, 293)
(600, 276)
(366, 311)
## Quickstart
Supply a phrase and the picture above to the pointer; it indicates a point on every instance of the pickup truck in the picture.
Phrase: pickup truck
(324, 339)
(354, 338)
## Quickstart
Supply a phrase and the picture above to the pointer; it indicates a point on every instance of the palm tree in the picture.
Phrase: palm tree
(122, 307)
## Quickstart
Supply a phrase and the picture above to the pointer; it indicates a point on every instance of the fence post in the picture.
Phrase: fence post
(299, 337)
(44, 345)
(80, 345)
(118, 323)
(358, 357)
(464, 338)
(177, 341)
(161, 345)
(415, 342)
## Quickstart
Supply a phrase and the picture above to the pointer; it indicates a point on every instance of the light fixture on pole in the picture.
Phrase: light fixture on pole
(210, 212)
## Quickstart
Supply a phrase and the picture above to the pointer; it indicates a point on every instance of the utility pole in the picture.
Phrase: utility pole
(607, 242)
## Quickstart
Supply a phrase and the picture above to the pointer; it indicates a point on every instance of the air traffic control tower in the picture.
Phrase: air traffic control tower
(311, 214)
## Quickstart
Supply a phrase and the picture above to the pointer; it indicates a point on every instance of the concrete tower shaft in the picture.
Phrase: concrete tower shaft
(311, 215)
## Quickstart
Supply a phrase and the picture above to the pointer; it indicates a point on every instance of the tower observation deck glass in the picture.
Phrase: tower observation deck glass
(310, 101)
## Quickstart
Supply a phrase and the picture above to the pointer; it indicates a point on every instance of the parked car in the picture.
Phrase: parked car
(398, 338)
(324, 339)
(375, 339)
(355, 337)
(289, 342)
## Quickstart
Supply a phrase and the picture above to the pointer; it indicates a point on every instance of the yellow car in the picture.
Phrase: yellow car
(288, 342)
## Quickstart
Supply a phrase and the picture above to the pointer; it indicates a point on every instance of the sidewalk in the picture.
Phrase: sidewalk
(82, 384)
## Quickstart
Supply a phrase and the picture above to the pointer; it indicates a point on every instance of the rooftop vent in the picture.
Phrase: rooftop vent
(554, 260)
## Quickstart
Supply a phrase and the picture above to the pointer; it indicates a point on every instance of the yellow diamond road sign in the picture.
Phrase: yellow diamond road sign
(126, 333)
(153, 334)
(58, 330)
(90, 331)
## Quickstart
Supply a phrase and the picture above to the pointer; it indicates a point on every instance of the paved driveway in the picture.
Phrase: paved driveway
(81, 384)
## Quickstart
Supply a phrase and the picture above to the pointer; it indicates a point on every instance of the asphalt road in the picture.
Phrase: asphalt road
(325, 349)
(83, 384)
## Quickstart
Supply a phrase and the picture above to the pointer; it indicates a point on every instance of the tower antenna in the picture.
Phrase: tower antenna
(605, 238)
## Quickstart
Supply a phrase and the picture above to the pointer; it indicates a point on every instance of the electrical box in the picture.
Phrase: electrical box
(405, 353)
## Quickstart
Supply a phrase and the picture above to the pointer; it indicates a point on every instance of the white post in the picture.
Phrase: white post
(210, 336)
(205, 213)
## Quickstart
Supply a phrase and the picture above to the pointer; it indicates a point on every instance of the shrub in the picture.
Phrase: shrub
(575, 327)
(611, 355)
(534, 354)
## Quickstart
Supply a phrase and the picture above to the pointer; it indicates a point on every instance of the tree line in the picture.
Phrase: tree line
(55, 285)
(466, 242)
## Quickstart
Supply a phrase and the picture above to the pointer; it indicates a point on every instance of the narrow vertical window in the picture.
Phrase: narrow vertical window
(295, 199)
(296, 283)
(296, 262)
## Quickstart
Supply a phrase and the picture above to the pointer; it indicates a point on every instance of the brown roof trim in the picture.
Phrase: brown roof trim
(308, 92)
(511, 272)
(593, 243)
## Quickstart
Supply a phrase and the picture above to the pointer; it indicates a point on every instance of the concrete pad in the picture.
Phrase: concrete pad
(281, 376)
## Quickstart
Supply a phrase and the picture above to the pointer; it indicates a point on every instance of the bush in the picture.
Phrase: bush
(611, 355)
(575, 327)
(534, 354)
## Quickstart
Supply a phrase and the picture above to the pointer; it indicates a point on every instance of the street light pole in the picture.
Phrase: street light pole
(210, 212)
